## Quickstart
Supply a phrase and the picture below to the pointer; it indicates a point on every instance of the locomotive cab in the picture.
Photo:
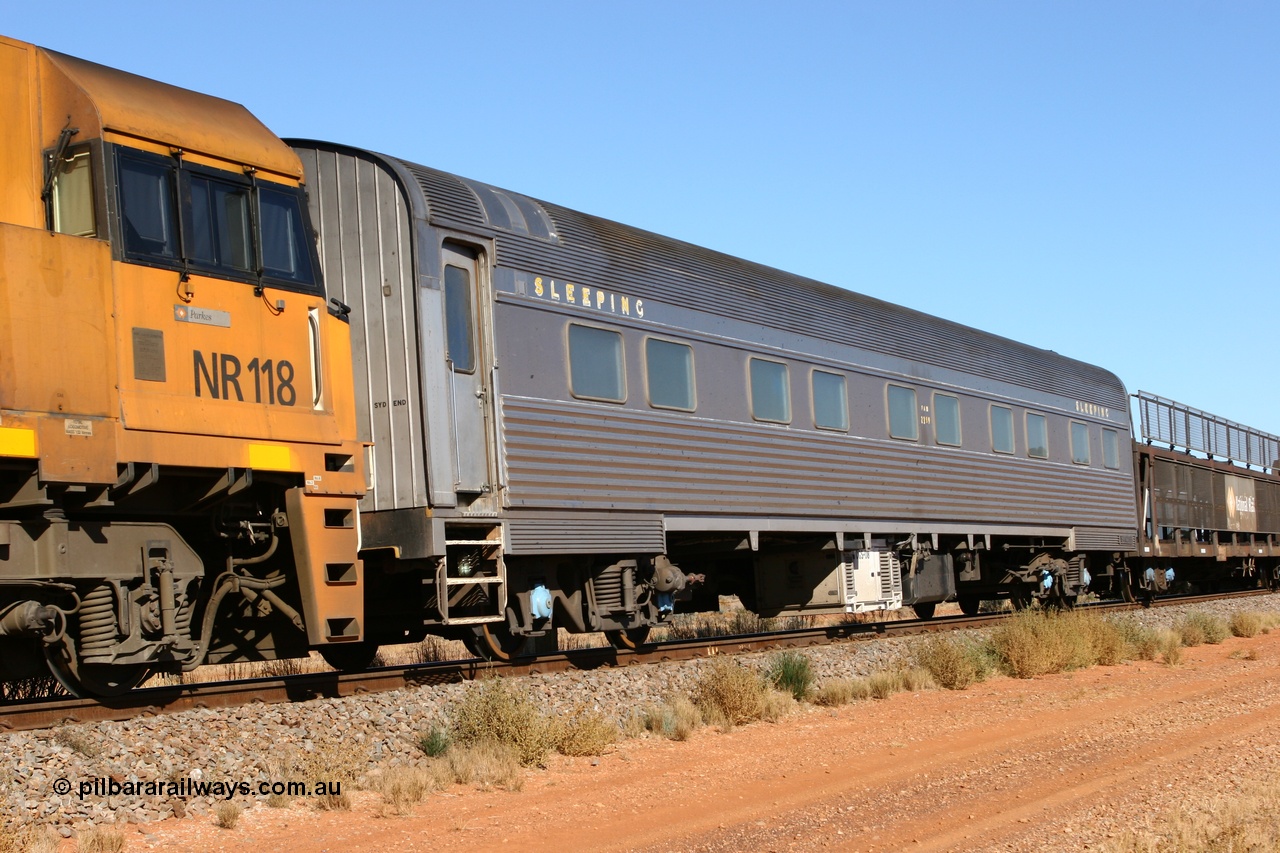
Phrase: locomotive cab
(179, 471)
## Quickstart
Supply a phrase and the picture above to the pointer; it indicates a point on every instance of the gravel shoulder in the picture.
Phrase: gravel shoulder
(1061, 762)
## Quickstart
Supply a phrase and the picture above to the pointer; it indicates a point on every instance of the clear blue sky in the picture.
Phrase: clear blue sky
(1098, 178)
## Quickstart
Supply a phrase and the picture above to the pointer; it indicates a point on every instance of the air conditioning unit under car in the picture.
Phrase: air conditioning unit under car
(871, 580)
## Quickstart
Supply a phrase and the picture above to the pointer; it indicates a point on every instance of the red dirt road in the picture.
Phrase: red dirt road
(1056, 763)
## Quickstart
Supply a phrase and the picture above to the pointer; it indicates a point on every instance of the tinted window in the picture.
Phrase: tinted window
(1079, 444)
(219, 225)
(770, 393)
(830, 401)
(284, 238)
(902, 413)
(946, 419)
(595, 364)
(1110, 449)
(1001, 429)
(146, 208)
(1037, 436)
(457, 314)
(669, 368)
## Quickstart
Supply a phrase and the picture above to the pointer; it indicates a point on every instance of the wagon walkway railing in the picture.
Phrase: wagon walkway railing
(1181, 426)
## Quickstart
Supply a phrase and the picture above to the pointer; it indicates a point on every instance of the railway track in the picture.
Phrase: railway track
(46, 713)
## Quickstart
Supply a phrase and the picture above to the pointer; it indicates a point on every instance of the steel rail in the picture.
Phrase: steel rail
(152, 701)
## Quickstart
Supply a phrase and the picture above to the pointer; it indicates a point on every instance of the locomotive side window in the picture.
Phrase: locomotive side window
(830, 401)
(595, 364)
(1079, 443)
(946, 419)
(73, 196)
(147, 209)
(669, 370)
(457, 319)
(284, 249)
(1037, 436)
(232, 226)
(770, 391)
(1110, 449)
(1002, 429)
(218, 228)
(902, 413)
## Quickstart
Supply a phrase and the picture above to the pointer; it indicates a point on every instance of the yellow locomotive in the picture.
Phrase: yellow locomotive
(179, 466)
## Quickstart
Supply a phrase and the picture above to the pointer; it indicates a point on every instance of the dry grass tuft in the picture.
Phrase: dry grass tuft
(955, 663)
(497, 711)
(486, 764)
(777, 704)
(1170, 645)
(1036, 643)
(587, 733)
(1246, 623)
(676, 719)
(29, 839)
(729, 694)
(77, 741)
(402, 788)
(337, 762)
(1244, 821)
(99, 840)
(842, 691)
(227, 814)
(1199, 627)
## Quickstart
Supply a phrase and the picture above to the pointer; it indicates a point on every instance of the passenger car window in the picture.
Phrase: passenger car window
(830, 401)
(946, 419)
(1002, 429)
(770, 391)
(669, 371)
(595, 364)
(1079, 443)
(457, 318)
(1110, 449)
(903, 422)
(1037, 436)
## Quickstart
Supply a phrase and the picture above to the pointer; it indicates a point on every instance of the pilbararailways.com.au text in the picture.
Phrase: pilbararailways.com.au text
(187, 788)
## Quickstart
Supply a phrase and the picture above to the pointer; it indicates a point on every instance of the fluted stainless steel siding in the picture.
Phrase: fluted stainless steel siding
(602, 253)
(362, 218)
(585, 533)
(592, 457)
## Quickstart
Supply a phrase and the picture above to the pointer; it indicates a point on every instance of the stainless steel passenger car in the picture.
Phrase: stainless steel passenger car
(574, 423)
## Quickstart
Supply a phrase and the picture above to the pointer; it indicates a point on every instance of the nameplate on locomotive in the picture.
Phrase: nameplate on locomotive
(203, 316)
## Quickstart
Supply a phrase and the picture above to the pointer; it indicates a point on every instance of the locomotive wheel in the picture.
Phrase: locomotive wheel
(628, 638)
(1126, 587)
(925, 611)
(92, 681)
(969, 604)
(349, 657)
(493, 642)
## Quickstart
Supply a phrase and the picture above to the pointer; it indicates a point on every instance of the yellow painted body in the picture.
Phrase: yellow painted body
(78, 329)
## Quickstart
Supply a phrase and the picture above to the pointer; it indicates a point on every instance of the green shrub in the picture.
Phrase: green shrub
(435, 743)
(792, 672)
